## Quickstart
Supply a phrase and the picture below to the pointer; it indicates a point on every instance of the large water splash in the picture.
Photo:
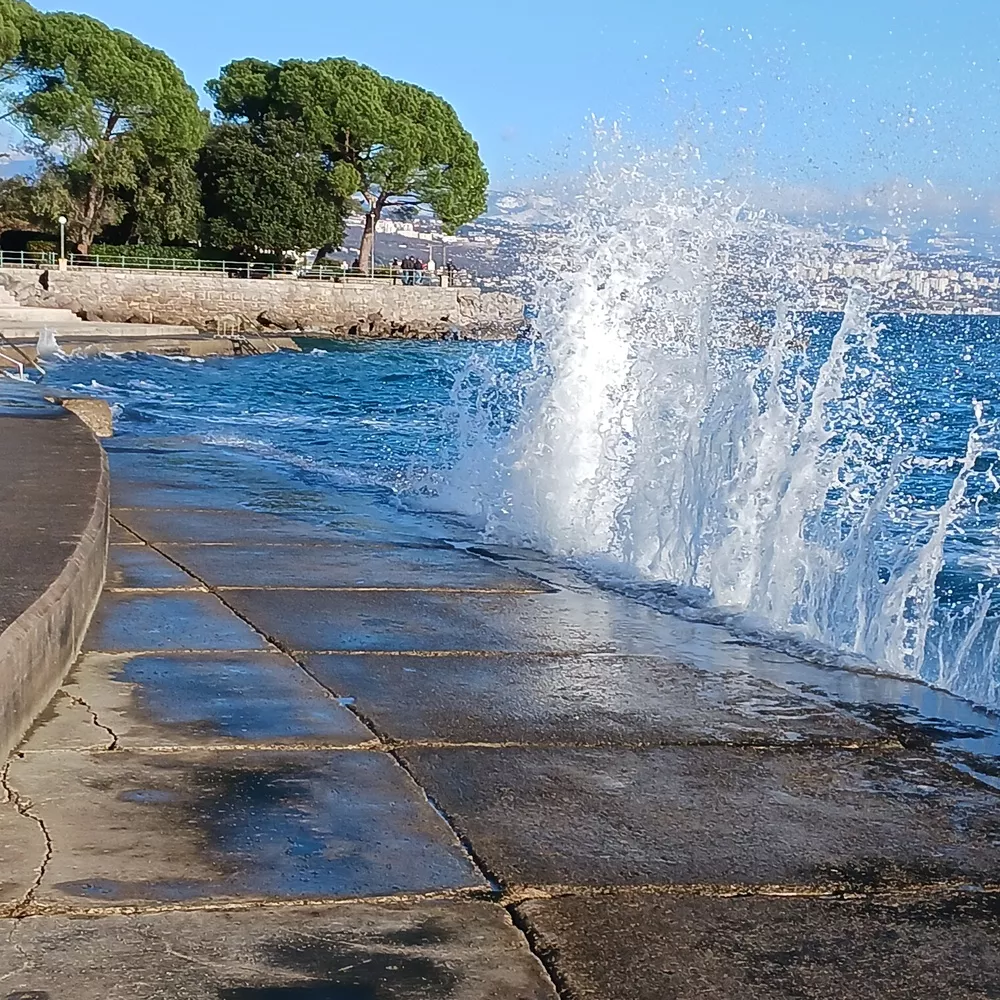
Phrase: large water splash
(767, 484)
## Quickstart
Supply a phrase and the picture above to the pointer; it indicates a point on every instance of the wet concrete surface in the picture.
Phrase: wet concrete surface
(22, 846)
(347, 565)
(146, 828)
(138, 566)
(561, 622)
(226, 527)
(440, 950)
(585, 699)
(120, 535)
(462, 762)
(757, 948)
(195, 700)
(715, 816)
(167, 620)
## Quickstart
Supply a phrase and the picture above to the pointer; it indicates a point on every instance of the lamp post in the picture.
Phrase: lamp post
(62, 242)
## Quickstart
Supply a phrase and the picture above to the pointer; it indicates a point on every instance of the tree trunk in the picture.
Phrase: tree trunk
(90, 226)
(366, 254)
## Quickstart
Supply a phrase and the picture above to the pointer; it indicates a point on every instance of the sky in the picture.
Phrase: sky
(824, 103)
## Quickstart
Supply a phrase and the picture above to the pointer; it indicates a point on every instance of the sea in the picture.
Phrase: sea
(828, 487)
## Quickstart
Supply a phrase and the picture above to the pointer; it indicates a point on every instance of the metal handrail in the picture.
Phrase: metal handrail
(19, 365)
(225, 268)
(24, 258)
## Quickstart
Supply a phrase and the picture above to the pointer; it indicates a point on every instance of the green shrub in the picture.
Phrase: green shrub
(138, 252)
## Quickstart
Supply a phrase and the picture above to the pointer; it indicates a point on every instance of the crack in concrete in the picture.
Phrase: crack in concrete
(517, 895)
(139, 540)
(901, 891)
(213, 964)
(174, 748)
(545, 957)
(155, 590)
(25, 958)
(391, 745)
(24, 808)
(170, 651)
(751, 746)
(503, 591)
(548, 654)
(77, 700)
(466, 894)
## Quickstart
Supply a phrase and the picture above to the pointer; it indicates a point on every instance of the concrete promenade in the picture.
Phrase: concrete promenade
(345, 758)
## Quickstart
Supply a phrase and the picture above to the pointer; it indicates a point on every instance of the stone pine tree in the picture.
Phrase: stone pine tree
(267, 186)
(14, 16)
(113, 122)
(390, 142)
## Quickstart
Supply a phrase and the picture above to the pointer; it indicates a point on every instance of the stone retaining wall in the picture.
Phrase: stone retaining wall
(216, 303)
(54, 516)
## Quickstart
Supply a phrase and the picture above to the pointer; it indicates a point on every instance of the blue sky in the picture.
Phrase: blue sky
(817, 97)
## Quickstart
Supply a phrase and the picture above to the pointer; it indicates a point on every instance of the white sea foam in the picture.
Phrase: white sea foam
(651, 448)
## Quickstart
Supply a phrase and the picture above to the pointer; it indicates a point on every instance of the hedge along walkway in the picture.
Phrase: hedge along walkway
(349, 759)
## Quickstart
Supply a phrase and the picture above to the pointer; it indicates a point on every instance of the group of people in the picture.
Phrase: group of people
(411, 268)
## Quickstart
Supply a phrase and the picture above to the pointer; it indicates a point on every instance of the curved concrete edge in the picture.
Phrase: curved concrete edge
(39, 647)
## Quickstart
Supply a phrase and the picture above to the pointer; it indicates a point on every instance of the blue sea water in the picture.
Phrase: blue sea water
(420, 422)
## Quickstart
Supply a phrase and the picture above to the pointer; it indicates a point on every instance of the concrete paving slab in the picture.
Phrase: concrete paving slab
(592, 699)
(237, 488)
(130, 493)
(558, 622)
(68, 723)
(146, 828)
(139, 566)
(446, 950)
(120, 535)
(347, 564)
(125, 622)
(171, 463)
(225, 526)
(757, 948)
(193, 700)
(715, 815)
(22, 849)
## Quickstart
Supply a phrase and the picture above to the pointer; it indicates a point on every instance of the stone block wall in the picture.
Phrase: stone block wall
(216, 303)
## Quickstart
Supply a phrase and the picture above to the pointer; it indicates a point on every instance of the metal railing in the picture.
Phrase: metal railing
(22, 258)
(228, 268)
